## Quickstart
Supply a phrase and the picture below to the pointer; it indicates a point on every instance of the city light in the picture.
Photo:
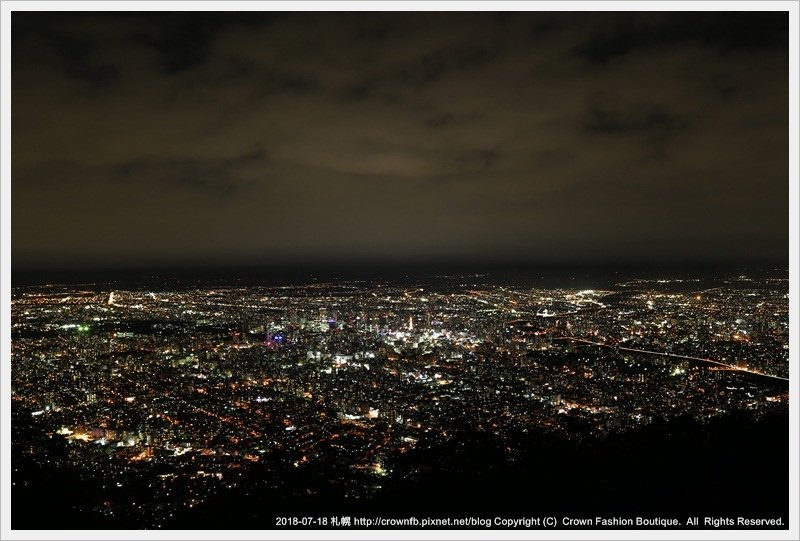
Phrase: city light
(367, 371)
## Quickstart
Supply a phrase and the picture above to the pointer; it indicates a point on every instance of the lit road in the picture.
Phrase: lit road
(663, 354)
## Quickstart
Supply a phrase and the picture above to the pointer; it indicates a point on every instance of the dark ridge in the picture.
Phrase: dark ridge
(735, 465)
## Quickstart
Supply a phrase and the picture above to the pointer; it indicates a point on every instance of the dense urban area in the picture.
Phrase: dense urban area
(166, 398)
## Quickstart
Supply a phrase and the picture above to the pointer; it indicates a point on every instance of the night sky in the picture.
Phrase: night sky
(159, 139)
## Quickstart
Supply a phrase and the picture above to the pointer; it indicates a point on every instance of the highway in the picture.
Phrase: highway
(663, 354)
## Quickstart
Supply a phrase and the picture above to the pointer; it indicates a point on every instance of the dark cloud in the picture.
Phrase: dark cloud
(724, 33)
(373, 29)
(545, 25)
(184, 41)
(652, 126)
(391, 82)
(215, 177)
(79, 66)
(440, 121)
(160, 138)
(635, 120)
(454, 121)
(72, 54)
(481, 159)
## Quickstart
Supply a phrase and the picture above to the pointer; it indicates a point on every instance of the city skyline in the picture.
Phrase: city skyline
(285, 138)
(415, 271)
(351, 404)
